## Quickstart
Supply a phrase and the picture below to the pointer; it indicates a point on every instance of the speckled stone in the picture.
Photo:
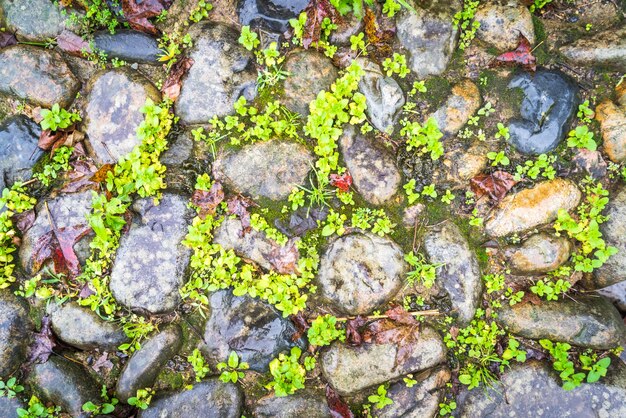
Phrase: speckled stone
(307, 402)
(612, 120)
(613, 232)
(605, 49)
(14, 332)
(540, 253)
(502, 22)
(150, 264)
(19, 152)
(112, 113)
(32, 20)
(459, 107)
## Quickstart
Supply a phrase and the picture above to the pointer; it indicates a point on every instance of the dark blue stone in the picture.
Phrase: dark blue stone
(272, 15)
(18, 149)
(128, 45)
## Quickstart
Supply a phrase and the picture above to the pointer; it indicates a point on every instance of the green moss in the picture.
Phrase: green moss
(438, 90)
(541, 50)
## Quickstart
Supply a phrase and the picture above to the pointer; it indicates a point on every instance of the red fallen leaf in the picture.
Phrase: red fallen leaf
(386, 331)
(44, 343)
(316, 11)
(173, 82)
(24, 220)
(138, 12)
(208, 201)
(401, 316)
(302, 325)
(342, 182)
(522, 55)
(495, 185)
(7, 39)
(239, 205)
(338, 407)
(353, 330)
(73, 44)
(284, 259)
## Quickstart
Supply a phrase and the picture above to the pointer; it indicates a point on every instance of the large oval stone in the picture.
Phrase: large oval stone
(32, 20)
(128, 45)
(19, 152)
(540, 253)
(605, 49)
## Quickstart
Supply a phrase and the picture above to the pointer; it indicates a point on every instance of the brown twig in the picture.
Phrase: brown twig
(432, 312)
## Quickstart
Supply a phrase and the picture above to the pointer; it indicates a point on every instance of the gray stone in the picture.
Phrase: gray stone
(458, 108)
(18, 149)
(145, 365)
(307, 402)
(532, 389)
(419, 401)
(615, 293)
(223, 70)
(208, 399)
(351, 369)
(252, 328)
(128, 45)
(112, 113)
(36, 75)
(309, 73)
(179, 151)
(14, 333)
(605, 49)
(83, 328)
(429, 35)
(540, 253)
(502, 22)
(550, 99)
(373, 168)
(360, 272)
(32, 20)
(530, 208)
(8, 407)
(587, 321)
(459, 274)
(613, 232)
(66, 211)
(150, 264)
(273, 15)
(66, 384)
(268, 169)
(383, 95)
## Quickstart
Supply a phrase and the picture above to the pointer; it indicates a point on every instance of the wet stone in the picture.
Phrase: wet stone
(308, 403)
(606, 49)
(351, 369)
(428, 35)
(540, 253)
(82, 328)
(37, 76)
(112, 113)
(268, 169)
(18, 149)
(459, 274)
(66, 210)
(223, 71)
(210, 398)
(458, 108)
(251, 327)
(613, 233)
(616, 294)
(383, 95)
(66, 384)
(550, 99)
(310, 72)
(145, 365)
(360, 272)
(32, 20)
(502, 22)
(372, 167)
(271, 15)
(587, 321)
(8, 407)
(150, 264)
(532, 207)
(128, 45)
(14, 333)
(612, 120)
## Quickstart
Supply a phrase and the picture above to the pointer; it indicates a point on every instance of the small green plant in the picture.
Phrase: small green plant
(411, 194)
(10, 388)
(107, 405)
(287, 372)
(466, 23)
(447, 197)
(36, 409)
(581, 137)
(201, 11)
(396, 65)
(232, 370)
(447, 408)
(380, 399)
(550, 290)
(60, 161)
(423, 139)
(543, 165)
(503, 132)
(421, 272)
(357, 43)
(200, 368)
(570, 377)
(334, 224)
(97, 15)
(136, 328)
(249, 39)
(142, 399)
(57, 118)
(324, 331)
(538, 5)
(494, 282)
(498, 158)
(409, 381)
(585, 113)
(375, 220)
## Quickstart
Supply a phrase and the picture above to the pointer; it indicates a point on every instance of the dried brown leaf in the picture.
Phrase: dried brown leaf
(316, 12)
(44, 343)
(173, 82)
(495, 185)
(208, 201)
(7, 39)
(284, 259)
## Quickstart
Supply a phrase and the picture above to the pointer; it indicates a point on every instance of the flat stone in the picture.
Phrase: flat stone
(306, 402)
(19, 152)
(587, 321)
(210, 398)
(612, 120)
(65, 384)
(360, 272)
(8, 407)
(351, 369)
(540, 253)
(128, 45)
(112, 114)
(383, 95)
(150, 264)
(32, 20)
(66, 210)
(36, 75)
(549, 104)
(272, 15)
(223, 71)
(616, 293)
(605, 49)
(268, 169)
(310, 72)
(532, 207)
(14, 333)
(502, 22)
(613, 233)
(460, 274)
(533, 389)
(428, 35)
(373, 168)
(83, 328)
(459, 107)
(145, 365)
(252, 328)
